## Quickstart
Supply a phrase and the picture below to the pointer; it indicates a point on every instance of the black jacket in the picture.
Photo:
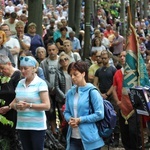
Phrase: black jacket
(60, 86)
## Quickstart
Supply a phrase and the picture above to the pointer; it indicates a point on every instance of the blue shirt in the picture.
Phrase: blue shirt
(75, 44)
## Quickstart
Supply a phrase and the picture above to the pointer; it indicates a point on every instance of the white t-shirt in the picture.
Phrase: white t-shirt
(10, 45)
(9, 9)
(75, 131)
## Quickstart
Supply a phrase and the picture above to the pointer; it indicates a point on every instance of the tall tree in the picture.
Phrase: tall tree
(35, 15)
(71, 13)
(141, 9)
(86, 51)
(145, 8)
(122, 17)
(77, 16)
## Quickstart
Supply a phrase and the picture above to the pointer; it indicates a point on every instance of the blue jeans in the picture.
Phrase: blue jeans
(76, 144)
(32, 139)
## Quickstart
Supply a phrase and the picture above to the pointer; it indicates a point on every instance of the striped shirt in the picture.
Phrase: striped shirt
(30, 119)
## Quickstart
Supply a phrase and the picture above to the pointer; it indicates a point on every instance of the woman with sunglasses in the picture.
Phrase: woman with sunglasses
(39, 71)
(62, 83)
(31, 101)
(82, 131)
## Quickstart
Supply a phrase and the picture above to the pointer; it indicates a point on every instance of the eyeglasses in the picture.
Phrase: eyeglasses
(65, 59)
(25, 58)
(98, 56)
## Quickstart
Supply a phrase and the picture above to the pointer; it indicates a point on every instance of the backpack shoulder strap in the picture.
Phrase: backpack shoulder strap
(90, 103)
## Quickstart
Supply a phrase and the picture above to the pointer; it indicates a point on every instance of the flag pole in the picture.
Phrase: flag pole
(130, 27)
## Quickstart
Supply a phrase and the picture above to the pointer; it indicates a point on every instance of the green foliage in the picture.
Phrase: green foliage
(3, 119)
(4, 79)
(111, 7)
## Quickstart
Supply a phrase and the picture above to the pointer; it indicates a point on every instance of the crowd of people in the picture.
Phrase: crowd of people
(49, 81)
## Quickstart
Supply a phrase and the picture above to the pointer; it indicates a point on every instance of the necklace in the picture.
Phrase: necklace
(105, 69)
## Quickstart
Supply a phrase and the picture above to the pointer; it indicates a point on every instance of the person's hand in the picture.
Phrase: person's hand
(104, 96)
(22, 105)
(73, 122)
(122, 107)
(20, 35)
(4, 110)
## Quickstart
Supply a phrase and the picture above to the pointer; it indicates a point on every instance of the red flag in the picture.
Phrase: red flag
(135, 73)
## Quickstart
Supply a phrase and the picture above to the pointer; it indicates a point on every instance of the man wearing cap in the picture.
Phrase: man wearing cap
(36, 39)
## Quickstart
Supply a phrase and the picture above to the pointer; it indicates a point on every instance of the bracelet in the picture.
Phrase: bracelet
(30, 105)
(9, 106)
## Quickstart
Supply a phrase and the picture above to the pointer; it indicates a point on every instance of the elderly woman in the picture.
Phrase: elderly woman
(31, 101)
(36, 40)
(4, 50)
(40, 54)
(9, 78)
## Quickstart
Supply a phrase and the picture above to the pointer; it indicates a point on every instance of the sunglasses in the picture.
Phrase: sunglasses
(65, 59)
(25, 58)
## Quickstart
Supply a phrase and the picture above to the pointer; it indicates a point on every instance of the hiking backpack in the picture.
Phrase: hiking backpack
(106, 125)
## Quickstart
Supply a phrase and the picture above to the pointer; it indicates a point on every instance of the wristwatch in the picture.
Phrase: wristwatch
(30, 105)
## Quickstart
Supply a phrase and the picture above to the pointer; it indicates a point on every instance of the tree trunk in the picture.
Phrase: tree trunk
(35, 15)
(132, 7)
(86, 51)
(145, 8)
(77, 16)
(141, 10)
(71, 14)
(122, 15)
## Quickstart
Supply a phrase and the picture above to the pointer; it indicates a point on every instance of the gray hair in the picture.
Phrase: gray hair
(39, 48)
(4, 59)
